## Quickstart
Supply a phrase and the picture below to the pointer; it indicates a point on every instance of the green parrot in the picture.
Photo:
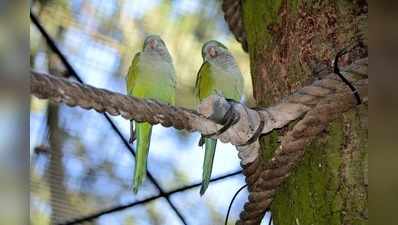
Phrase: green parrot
(151, 75)
(219, 74)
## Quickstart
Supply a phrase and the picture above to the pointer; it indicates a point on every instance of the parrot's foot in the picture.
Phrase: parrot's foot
(230, 118)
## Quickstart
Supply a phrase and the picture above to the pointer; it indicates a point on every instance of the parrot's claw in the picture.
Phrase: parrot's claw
(201, 141)
(132, 135)
(231, 100)
(230, 118)
(132, 138)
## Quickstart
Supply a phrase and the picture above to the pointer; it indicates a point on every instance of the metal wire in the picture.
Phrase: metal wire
(232, 201)
(336, 70)
(270, 220)
(129, 205)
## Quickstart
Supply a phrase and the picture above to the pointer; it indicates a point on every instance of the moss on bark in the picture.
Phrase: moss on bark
(328, 187)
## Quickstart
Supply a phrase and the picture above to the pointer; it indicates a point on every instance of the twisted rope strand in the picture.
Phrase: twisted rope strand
(88, 97)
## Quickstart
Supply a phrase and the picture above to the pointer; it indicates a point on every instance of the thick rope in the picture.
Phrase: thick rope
(264, 178)
(75, 94)
(233, 16)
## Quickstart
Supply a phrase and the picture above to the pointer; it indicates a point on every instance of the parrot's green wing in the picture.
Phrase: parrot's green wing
(130, 83)
(132, 74)
(143, 130)
(203, 81)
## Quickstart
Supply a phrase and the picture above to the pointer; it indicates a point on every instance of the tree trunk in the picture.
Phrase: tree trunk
(287, 42)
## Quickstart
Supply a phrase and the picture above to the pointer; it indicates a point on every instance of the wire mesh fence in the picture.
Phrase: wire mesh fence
(81, 166)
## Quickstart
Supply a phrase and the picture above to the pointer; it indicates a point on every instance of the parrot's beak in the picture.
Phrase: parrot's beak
(212, 52)
(152, 44)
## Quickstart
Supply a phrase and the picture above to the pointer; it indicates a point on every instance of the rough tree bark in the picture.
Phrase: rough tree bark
(287, 40)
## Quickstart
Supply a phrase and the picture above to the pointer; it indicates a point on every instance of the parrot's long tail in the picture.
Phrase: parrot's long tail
(210, 150)
(143, 133)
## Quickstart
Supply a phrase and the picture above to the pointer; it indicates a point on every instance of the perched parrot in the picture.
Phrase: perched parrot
(151, 75)
(219, 74)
